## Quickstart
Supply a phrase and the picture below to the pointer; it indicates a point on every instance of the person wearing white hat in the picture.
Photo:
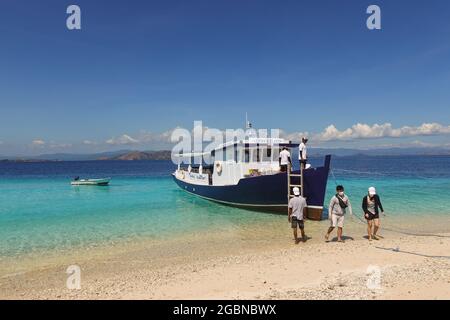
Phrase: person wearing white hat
(371, 206)
(296, 212)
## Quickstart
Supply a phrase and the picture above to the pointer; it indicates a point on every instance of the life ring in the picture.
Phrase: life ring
(219, 168)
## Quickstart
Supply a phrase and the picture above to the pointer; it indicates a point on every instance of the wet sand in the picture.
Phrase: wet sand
(258, 261)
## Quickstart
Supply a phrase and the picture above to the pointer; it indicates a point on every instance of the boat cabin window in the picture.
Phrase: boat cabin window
(269, 153)
(229, 153)
(246, 155)
(266, 154)
(254, 154)
(219, 155)
(275, 153)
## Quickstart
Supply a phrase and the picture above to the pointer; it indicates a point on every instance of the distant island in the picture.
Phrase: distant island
(135, 155)
(141, 155)
(18, 160)
(121, 155)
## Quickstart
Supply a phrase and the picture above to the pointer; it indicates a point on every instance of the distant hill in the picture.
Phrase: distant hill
(133, 155)
(141, 155)
(113, 155)
(81, 157)
(25, 160)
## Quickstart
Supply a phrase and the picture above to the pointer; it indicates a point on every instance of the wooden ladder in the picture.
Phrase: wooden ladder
(290, 185)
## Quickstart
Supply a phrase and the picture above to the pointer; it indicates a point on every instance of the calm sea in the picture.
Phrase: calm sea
(40, 210)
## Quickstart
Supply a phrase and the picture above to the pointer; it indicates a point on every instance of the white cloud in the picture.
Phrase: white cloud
(293, 136)
(122, 140)
(60, 145)
(365, 131)
(147, 137)
(143, 137)
(358, 131)
(38, 143)
(331, 136)
(419, 143)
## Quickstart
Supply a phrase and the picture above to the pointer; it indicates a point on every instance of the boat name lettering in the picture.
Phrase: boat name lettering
(197, 176)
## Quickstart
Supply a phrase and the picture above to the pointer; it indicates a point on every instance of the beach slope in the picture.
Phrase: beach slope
(397, 267)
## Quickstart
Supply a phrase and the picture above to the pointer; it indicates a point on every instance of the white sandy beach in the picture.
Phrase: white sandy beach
(411, 267)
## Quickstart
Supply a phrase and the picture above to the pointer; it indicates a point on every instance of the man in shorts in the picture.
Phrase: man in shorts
(302, 156)
(336, 211)
(296, 211)
(284, 160)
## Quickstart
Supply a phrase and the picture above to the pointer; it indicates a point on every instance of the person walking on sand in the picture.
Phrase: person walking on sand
(371, 205)
(336, 212)
(296, 212)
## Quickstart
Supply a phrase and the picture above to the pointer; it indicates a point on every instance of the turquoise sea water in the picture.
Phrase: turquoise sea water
(41, 211)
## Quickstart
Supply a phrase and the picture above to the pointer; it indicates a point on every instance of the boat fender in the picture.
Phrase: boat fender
(189, 169)
(219, 168)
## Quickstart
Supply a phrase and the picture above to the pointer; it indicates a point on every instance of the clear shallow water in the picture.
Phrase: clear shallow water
(41, 211)
(407, 186)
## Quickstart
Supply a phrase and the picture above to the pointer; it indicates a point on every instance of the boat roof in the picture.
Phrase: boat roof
(272, 142)
(260, 141)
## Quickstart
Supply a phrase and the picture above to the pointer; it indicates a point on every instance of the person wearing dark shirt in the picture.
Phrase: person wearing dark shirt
(372, 206)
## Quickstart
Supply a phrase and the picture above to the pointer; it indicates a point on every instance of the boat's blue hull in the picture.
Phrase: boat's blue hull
(268, 193)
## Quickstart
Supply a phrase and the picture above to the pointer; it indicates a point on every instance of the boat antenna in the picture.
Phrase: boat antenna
(248, 124)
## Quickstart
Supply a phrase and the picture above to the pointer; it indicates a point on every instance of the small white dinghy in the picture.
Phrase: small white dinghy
(90, 182)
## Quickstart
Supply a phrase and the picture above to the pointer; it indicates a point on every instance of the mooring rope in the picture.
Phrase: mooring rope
(334, 177)
(413, 253)
(361, 172)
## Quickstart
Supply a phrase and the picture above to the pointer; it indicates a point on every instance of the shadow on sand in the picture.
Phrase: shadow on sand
(345, 238)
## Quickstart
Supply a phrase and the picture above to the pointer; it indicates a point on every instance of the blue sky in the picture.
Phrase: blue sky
(141, 68)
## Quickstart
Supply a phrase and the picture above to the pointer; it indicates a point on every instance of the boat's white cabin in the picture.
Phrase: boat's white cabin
(233, 161)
